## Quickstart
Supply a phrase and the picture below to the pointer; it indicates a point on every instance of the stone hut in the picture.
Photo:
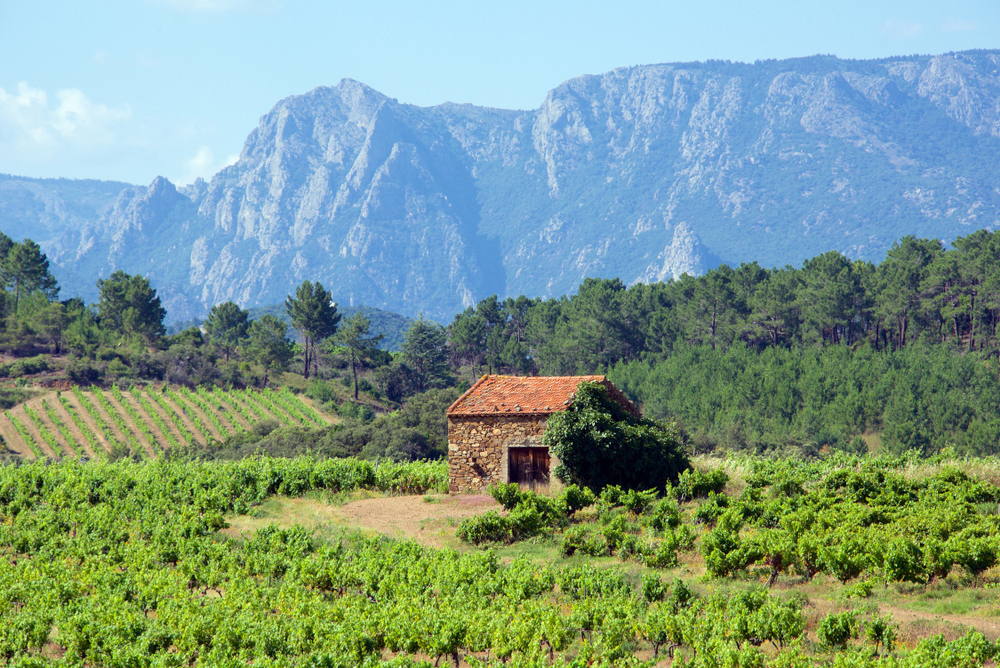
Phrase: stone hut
(495, 429)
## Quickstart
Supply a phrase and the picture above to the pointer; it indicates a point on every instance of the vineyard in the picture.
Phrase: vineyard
(147, 421)
(124, 564)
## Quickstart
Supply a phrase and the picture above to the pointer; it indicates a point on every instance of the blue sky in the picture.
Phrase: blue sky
(132, 90)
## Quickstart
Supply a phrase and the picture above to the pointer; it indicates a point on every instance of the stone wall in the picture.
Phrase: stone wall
(478, 445)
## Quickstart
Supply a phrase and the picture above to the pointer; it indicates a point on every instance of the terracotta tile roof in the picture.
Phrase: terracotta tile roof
(527, 395)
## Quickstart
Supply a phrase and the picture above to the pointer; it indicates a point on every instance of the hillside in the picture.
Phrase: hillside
(97, 424)
(641, 173)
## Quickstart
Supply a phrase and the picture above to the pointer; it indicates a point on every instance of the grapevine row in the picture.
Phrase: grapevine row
(46, 433)
(179, 400)
(99, 420)
(92, 441)
(210, 399)
(264, 399)
(290, 401)
(160, 400)
(147, 406)
(137, 420)
(119, 422)
(200, 403)
(229, 398)
(64, 431)
(26, 436)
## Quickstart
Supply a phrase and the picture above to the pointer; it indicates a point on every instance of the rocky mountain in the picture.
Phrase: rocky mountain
(642, 173)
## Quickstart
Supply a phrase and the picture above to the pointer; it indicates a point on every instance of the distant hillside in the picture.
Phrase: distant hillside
(641, 173)
(393, 325)
(46, 209)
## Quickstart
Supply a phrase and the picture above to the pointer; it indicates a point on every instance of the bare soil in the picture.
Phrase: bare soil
(431, 522)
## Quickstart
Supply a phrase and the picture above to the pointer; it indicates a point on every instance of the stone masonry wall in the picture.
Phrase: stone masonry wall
(477, 447)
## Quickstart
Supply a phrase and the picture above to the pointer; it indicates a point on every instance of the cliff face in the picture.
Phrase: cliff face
(642, 173)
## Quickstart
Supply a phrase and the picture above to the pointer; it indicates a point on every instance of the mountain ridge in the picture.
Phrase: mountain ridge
(644, 173)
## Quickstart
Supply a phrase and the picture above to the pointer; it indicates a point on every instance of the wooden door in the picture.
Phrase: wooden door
(529, 467)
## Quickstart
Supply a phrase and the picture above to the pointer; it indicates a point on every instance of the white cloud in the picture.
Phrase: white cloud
(958, 25)
(203, 164)
(902, 29)
(217, 6)
(28, 122)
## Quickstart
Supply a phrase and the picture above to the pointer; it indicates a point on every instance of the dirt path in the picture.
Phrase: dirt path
(432, 524)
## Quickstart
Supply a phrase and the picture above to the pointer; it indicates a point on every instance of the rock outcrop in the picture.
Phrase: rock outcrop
(642, 173)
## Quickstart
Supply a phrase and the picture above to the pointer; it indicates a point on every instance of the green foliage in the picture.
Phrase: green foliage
(227, 326)
(599, 443)
(129, 306)
(314, 314)
(24, 367)
(425, 351)
(837, 629)
(355, 336)
(268, 346)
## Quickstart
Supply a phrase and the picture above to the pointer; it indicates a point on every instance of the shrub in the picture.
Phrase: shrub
(693, 484)
(837, 629)
(653, 588)
(24, 367)
(507, 495)
(666, 514)
(574, 498)
(490, 527)
(599, 443)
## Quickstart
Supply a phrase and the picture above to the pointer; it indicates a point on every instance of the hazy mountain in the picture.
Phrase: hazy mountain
(44, 209)
(642, 173)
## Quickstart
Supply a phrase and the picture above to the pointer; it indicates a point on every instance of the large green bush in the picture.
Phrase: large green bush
(599, 443)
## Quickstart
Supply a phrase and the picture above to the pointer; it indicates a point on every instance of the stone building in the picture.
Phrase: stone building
(495, 429)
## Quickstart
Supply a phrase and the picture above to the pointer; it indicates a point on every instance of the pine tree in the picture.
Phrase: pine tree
(356, 337)
(268, 346)
(425, 350)
(26, 269)
(227, 326)
(128, 305)
(314, 315)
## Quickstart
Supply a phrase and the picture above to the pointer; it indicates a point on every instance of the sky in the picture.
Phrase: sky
(132, 90)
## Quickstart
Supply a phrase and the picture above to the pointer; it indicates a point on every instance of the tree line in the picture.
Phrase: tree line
(919, 293)
(122, 337)
(838, 353)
